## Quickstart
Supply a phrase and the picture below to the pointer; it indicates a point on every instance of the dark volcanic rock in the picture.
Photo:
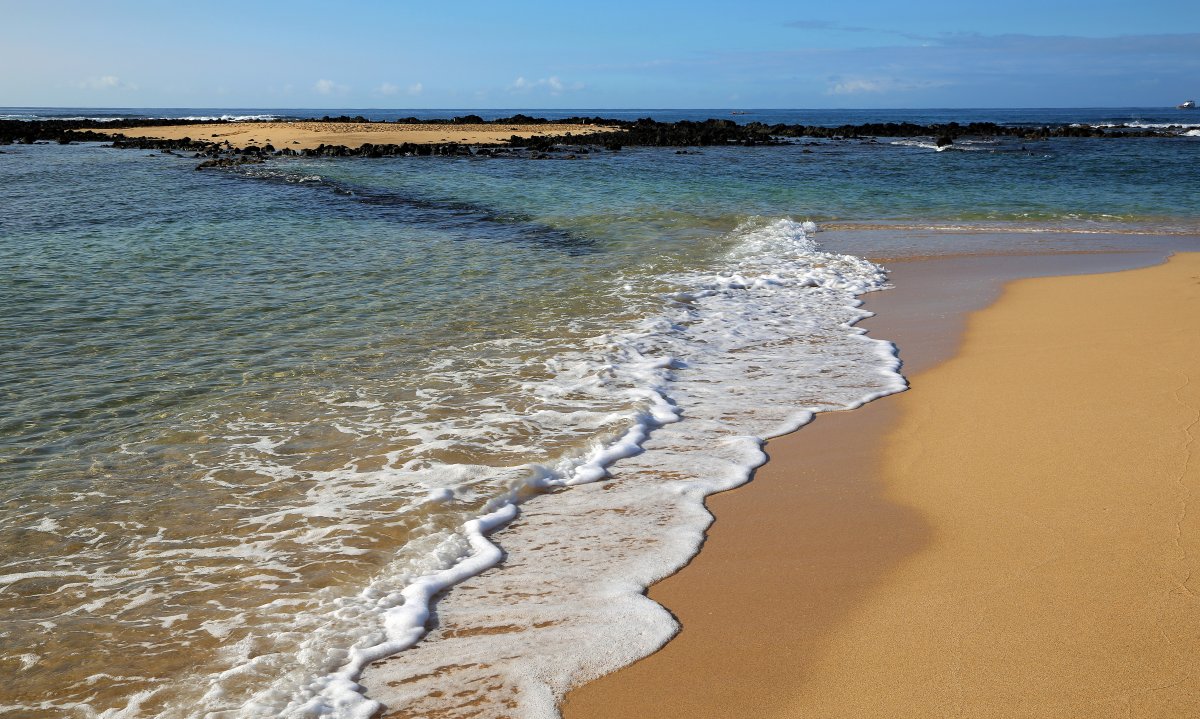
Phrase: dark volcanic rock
(644, 132)
(229, 162)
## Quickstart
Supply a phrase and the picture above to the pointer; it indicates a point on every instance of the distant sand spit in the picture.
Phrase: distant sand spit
(306, 135)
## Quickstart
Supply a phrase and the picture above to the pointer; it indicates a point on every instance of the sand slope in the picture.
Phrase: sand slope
(1027, 544)
(1054, 459)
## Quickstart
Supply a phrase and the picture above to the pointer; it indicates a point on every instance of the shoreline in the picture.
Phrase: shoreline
(462, 619)
(601, 543)
(93, 162)
(774, 587)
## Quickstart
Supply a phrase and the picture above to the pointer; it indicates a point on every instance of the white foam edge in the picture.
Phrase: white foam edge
(340, 695)
(888, 352)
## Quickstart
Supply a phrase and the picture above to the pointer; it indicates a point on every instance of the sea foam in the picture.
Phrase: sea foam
(746, 352)
(600, 440)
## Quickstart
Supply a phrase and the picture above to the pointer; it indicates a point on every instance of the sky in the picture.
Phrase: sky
(610, 54)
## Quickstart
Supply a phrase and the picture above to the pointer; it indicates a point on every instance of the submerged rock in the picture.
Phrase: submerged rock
(229, 162)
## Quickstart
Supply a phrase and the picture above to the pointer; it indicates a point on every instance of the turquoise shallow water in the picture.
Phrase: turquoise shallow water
(241, 411)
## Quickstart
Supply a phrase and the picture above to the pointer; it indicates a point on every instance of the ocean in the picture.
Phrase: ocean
(256, 424)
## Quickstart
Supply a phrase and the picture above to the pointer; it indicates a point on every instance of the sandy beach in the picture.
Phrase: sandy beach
(636, 361)
(412, 438)
(1011, 537)
(305, 135)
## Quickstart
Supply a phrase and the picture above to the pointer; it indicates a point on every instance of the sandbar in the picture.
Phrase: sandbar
(310, 134)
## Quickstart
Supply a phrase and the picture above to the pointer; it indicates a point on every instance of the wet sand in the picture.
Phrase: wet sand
(304, 135)
(1011, 537)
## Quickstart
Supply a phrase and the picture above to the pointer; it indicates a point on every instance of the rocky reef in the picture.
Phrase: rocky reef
(644, 132)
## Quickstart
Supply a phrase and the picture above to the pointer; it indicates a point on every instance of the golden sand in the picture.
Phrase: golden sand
(302, 135)
(1018, 542)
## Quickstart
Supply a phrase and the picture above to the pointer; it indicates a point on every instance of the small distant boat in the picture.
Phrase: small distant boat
(1187, 105)
(739, 112)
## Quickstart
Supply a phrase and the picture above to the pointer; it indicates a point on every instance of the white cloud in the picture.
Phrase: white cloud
(107, 82)
(855, 87)
(552, 85)
(390, 88)
(860, 86)
(329, 87)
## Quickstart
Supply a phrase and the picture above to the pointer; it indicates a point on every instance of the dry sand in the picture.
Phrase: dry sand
(302, 135)
(1011, 538)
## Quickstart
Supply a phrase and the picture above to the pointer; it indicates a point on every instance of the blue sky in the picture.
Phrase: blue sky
(608, 54)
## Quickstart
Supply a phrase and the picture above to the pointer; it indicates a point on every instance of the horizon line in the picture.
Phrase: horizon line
(562, 109)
